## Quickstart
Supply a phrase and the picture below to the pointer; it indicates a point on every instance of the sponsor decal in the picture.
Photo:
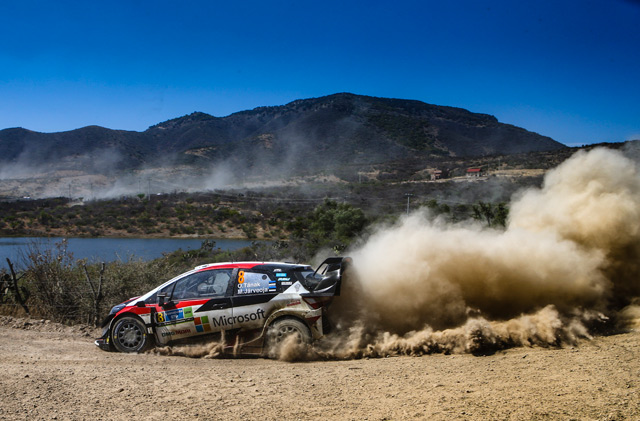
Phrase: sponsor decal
(294, 303)
(286, 283)
(224, 321)
(281, 275)
(202, 324)
(272, 286)
(176, 332)
(174, 316)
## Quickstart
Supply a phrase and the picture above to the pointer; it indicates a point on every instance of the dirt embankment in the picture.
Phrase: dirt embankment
(55, 372)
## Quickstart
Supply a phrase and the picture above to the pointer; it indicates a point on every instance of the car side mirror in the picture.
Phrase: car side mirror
(162, 296)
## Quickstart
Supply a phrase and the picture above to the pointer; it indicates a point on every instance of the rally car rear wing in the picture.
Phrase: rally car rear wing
(331, 271)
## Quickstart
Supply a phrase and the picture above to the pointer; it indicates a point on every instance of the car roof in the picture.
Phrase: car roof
(247, 265)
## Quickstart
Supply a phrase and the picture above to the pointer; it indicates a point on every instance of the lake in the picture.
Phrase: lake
(110, 249)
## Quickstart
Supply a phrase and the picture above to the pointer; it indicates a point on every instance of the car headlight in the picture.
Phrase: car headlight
(116, 309)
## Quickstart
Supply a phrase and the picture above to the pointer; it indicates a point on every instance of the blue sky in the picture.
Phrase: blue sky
(565, 69)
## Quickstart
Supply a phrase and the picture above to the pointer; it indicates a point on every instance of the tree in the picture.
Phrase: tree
(493, 214)
(335, 224)
(501, 214)
(484, 211)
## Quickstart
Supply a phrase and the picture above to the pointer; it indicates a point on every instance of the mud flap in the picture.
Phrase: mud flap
(151, 326)
(103, 342)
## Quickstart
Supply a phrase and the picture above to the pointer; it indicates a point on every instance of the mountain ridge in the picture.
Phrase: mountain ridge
(332, 130)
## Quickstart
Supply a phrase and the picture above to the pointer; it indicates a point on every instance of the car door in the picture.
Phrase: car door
(254, 291)
(196, 304)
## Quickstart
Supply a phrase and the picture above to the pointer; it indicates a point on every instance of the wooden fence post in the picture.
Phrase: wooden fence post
(96, 291)
(16, 289)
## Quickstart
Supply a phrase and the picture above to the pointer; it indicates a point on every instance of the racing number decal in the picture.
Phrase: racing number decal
(241, 277)
(175, 316)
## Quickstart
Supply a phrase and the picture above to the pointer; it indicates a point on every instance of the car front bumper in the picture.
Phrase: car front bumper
(103, 344)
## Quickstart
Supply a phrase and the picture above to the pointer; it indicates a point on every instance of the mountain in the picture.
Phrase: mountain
(302, 136)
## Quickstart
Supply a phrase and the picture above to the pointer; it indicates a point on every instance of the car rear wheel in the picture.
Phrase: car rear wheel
(282, 329)
(129, 334)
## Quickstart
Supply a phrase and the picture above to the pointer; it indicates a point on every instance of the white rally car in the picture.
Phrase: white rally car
(249, 304)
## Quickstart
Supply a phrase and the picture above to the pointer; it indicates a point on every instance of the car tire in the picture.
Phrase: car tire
(283, 328)
(129, 334)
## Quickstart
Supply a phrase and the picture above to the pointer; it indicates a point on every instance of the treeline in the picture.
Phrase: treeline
(166, 215)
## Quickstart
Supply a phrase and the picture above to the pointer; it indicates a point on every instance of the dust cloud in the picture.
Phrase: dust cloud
(567, 260)
(208, 349)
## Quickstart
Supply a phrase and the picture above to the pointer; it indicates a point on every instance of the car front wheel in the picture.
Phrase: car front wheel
(129, 334)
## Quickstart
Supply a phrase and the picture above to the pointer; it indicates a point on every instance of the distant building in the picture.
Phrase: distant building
(474, 172)
(439, 174)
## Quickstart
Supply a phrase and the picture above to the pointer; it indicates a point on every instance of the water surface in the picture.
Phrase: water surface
(110, 249)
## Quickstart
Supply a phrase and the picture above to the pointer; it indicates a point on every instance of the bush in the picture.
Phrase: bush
(57, 287)
(249, 230)
(51, 279)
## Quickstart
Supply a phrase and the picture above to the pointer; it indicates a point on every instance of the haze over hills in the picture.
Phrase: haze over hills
(304, 137)
(366, 128)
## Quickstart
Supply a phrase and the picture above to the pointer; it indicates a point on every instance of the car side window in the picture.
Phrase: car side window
(253, 282)
(205, 284)
(218, 283)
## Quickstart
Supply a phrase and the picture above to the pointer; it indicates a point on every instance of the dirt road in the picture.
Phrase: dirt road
(51, 371)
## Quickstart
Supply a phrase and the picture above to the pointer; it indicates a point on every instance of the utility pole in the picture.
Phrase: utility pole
(408, 200)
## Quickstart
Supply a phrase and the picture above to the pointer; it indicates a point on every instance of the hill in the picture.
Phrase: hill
(303, 136)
